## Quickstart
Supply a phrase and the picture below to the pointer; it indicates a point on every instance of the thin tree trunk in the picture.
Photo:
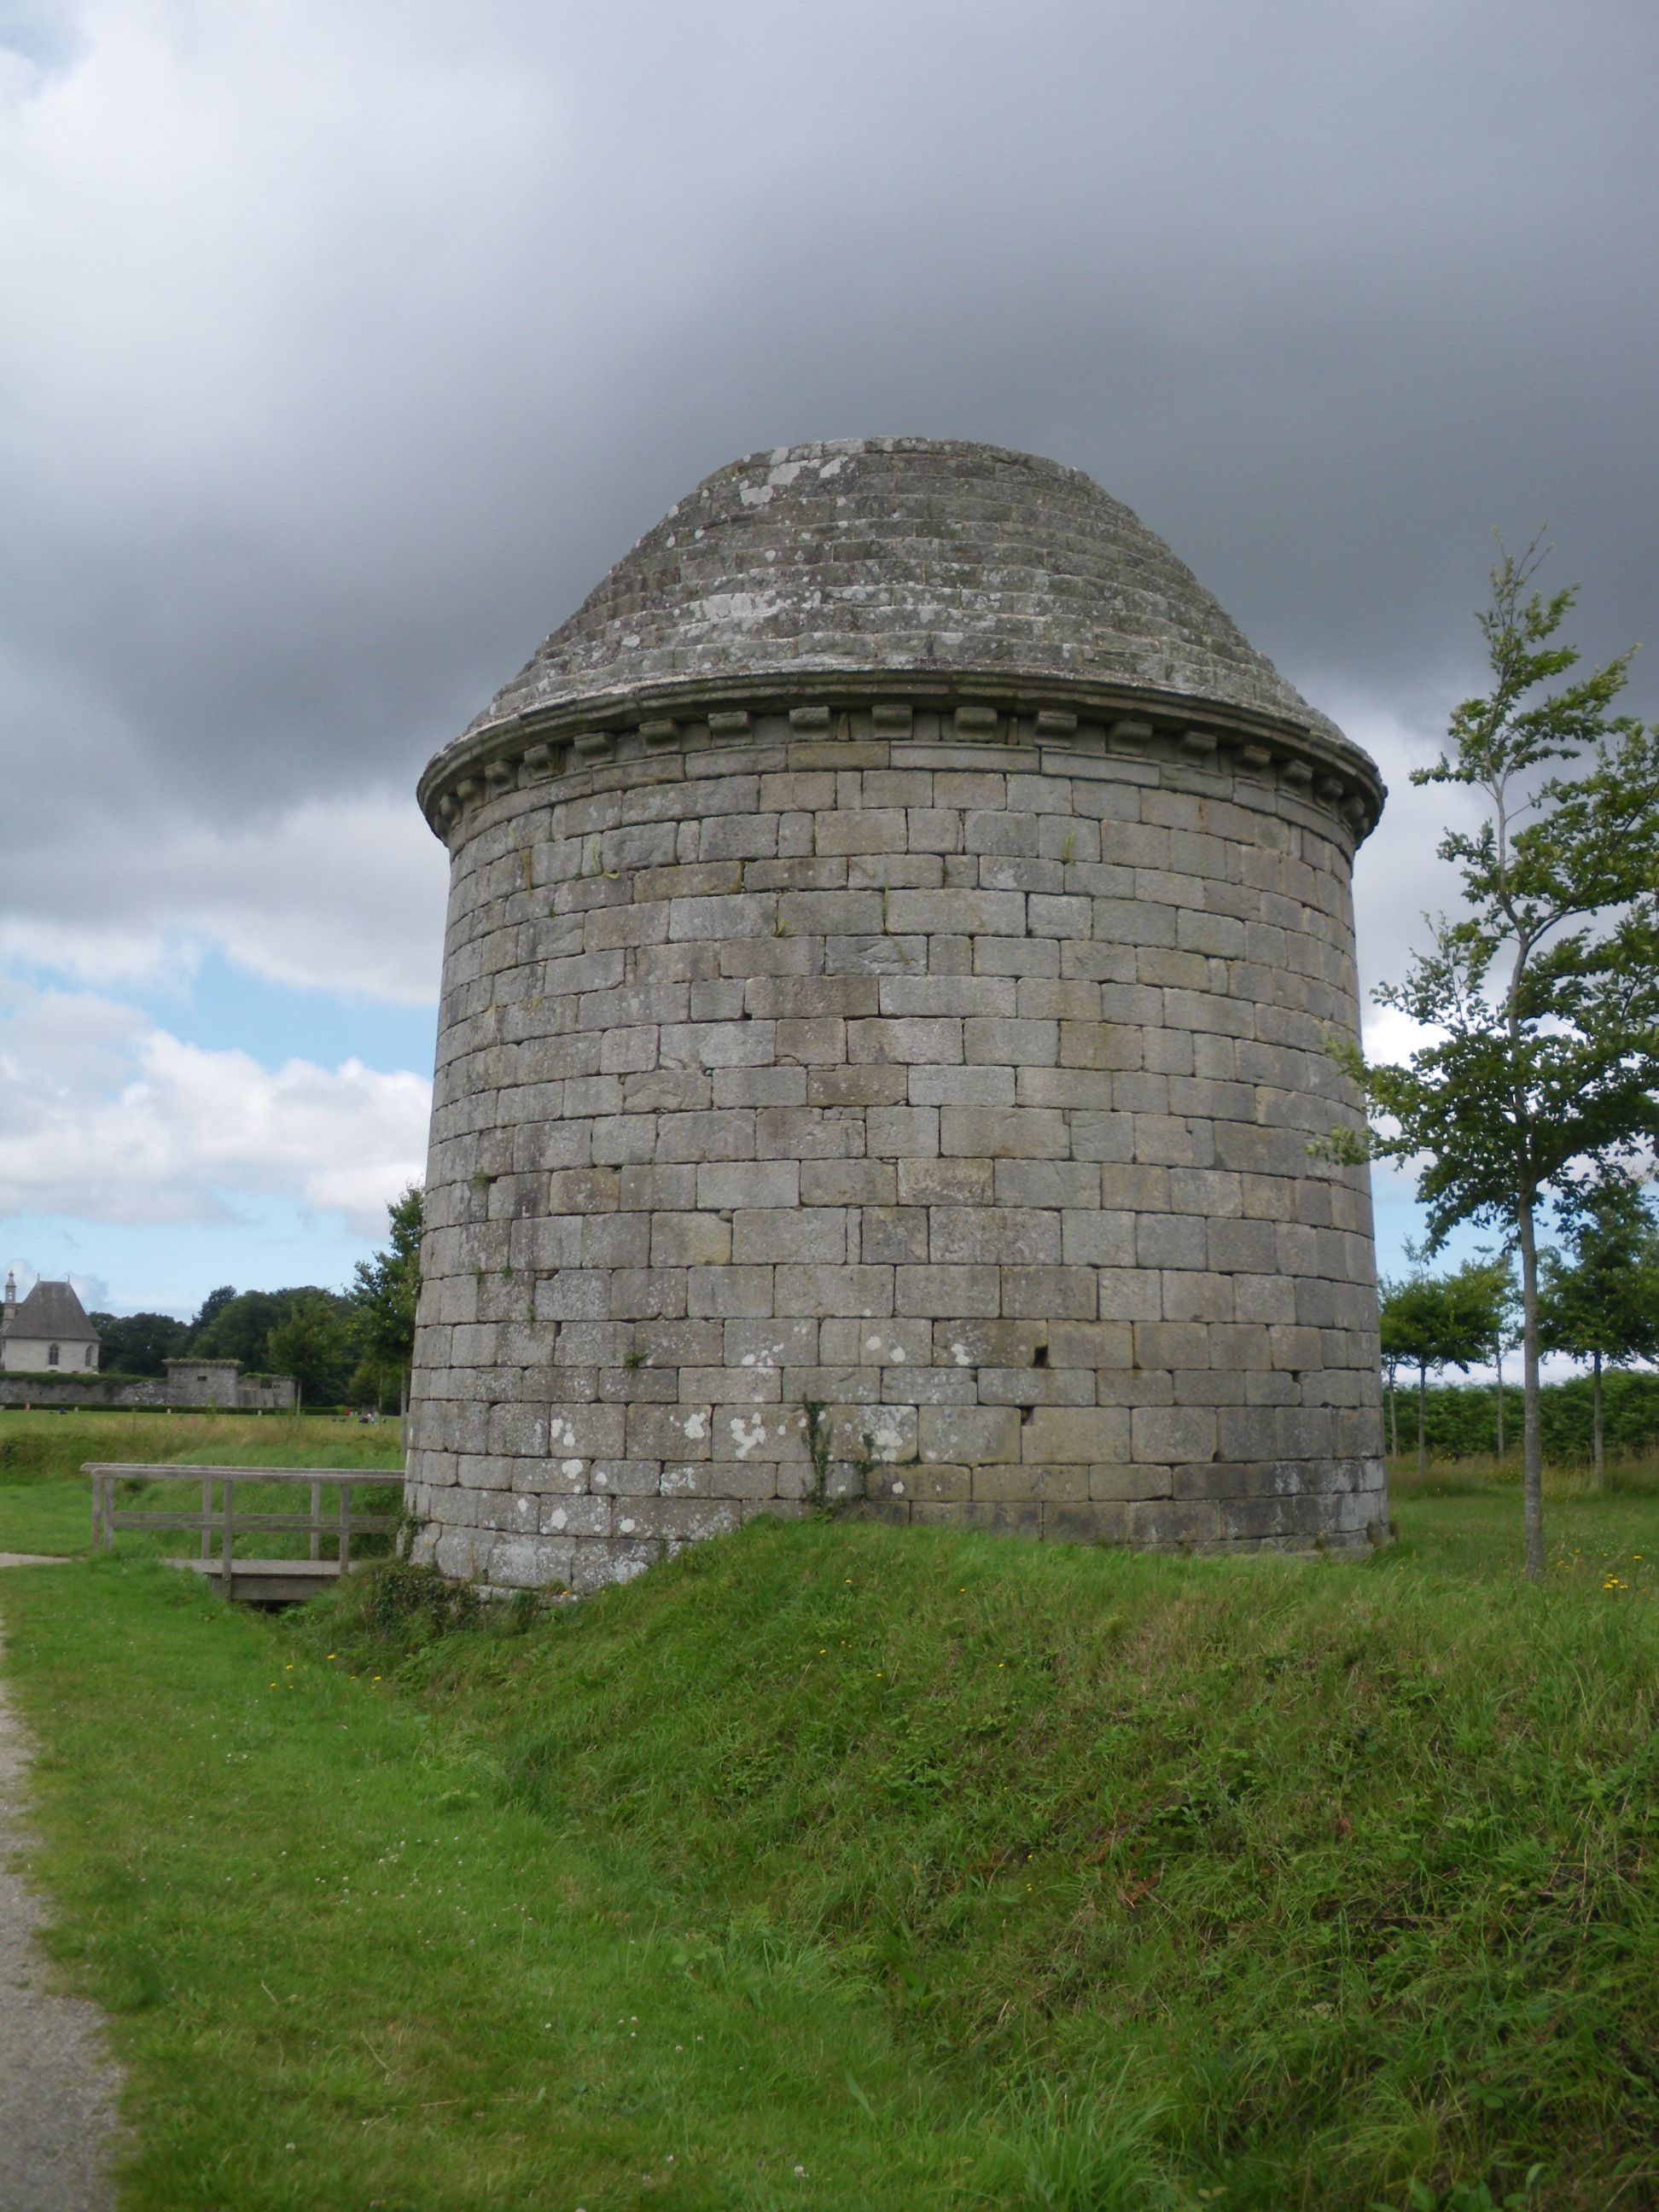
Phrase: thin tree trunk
(1595, 1416)
(1497, 1355)
(403, 1408)
(1422, 1407)
(1532, 1441)
(1393, 1419)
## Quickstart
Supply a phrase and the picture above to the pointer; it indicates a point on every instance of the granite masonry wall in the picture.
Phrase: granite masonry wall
(904, 1102)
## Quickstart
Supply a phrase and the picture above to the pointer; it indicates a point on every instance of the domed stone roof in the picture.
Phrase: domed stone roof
(881, 555)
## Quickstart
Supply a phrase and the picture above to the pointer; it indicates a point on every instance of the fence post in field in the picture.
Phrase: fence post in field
(225, 1577)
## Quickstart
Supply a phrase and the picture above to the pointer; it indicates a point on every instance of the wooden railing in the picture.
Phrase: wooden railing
(220, 1525)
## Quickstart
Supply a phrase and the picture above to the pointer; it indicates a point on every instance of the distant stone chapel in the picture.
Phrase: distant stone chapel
(49, 1330)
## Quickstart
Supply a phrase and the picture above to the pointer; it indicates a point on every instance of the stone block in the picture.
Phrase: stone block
(689, 1240)
(963, 1086)
(966, 913)
(990, 1517)
(933, 1182)
(860, 1290)
(1092, 1522)
(1016, 1235)
(723, 1290)
(512, 1562)
(729, 1184)
(1050, 1293)
(905, 1043)
(1041, 1485)
(891, 1233)
(798, 1233)
(990, 1134)
(947, 996)
(899, 1133)
(1032, 1386)
(1197, 1296)
(969, 1436)
(1127, 1481)
(941, 1290)
(1170, 1433)
(874, 1083)
(859, 1344)
(849, 1182)
(1091, 1344)
(814, 1041)
(995, 1041)
(1093, 1238)
(1075, 1435)
(748, 914)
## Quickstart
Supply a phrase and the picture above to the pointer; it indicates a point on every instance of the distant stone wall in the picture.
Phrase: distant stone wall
(246, 1394)
(913, 1104)
(202, 1383)
(264, 1394)
(49, 1389)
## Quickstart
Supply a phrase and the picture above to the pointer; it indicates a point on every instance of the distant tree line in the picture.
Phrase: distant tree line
(349, 1347)
(1461, 1419)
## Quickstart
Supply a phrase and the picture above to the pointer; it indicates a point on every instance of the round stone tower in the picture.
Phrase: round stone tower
(896, 925)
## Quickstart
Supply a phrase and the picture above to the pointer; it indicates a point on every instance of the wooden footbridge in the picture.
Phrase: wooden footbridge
(220, 1522)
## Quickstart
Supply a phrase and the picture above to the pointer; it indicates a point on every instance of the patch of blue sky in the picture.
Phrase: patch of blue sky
(221, 1006)
(231, 1008)
(169, 1266)
(1401, 1222)
(41, 31)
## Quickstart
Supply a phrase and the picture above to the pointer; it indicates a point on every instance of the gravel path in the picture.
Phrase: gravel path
(58, 2083)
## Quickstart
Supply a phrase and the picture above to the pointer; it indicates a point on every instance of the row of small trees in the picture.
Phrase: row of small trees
(1598, 1302)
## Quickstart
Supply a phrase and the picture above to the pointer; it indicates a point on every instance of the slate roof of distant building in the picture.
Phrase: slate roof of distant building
(53, 1310)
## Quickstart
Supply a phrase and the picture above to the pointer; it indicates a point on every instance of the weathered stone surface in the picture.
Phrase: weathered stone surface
(891, 1011)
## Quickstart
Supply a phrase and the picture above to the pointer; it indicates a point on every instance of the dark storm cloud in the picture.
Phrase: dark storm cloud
(356, 346)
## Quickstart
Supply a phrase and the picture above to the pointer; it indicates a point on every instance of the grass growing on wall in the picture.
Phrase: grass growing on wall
(954, 1871)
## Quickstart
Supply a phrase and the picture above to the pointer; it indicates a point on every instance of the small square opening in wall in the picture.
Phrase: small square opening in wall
(1040, 1357)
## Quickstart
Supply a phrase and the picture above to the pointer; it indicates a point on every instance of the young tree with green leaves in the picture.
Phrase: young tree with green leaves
(1431, 1321)
(1540, 999)
(1600, 1301)
(386, 1288)
(310, 1343)
(139, 1344)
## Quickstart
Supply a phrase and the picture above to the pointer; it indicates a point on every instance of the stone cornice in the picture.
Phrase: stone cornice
(1004, 710)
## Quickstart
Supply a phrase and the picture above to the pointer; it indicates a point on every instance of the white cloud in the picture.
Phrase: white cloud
(344, 895)
(107, 1118)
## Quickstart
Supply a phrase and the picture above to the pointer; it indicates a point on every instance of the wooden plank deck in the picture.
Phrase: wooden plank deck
(270, 1581)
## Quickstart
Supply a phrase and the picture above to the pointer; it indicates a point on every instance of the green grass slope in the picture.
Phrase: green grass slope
(951, 1871)
(1340, 1876)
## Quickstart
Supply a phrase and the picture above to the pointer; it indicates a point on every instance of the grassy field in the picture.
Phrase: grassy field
(835, 1867)
(45, 1500)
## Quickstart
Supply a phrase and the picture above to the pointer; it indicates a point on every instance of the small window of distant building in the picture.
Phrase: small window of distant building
(51, 1357)
(92, 1353)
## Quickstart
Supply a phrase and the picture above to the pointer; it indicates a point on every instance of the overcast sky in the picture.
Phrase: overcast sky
(345, 344)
